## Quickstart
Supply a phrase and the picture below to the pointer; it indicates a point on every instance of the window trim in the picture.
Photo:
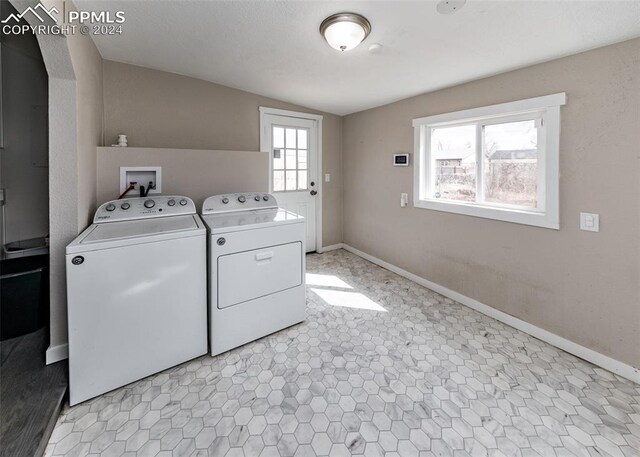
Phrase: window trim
(548, 107)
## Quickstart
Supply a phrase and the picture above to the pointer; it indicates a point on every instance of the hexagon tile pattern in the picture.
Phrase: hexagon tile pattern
(382, 366)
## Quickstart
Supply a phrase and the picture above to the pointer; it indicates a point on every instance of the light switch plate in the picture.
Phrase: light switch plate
(327, 177)
(590, 222)
(404, 200)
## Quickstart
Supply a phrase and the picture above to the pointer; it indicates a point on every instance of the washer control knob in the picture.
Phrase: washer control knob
(171, 202)
(266, 198)
(110, 207)
(125, 206)
(242, 199)
(257, 198)
(183, 202)
(225, 200)
(149, 204)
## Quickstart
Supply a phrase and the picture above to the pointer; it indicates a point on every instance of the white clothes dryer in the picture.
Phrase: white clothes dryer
(256, 268)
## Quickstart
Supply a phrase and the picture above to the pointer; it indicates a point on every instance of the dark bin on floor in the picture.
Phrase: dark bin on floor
(23, 295)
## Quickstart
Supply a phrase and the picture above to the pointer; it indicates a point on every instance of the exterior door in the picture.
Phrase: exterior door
(292, 143)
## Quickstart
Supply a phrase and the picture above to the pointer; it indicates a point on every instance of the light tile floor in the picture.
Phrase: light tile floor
(382, 366)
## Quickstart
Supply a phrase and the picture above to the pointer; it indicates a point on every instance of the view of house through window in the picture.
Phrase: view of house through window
(510, 163)
(454, 153)
(290, 165)
(507, 174)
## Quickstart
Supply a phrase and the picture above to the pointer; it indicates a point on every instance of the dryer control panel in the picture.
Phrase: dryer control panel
(128, 209)
(242, 201)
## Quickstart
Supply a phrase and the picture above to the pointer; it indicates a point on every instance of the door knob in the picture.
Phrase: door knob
(314, 192)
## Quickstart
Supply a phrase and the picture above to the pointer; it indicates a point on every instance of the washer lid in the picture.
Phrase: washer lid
(142, 227)
(247, 220)
(124, 233)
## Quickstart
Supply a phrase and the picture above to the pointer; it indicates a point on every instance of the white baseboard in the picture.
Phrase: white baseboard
(331, 247)
(57, 353)
(601, 360)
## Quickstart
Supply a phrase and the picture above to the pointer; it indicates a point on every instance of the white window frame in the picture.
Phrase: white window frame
(547, 109)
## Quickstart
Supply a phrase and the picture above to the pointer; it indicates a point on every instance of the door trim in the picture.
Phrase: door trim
(264, 147)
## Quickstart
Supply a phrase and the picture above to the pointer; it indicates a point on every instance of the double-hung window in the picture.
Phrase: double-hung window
(497, 162)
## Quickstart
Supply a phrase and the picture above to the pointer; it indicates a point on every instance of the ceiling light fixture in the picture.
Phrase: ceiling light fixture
(345, 31)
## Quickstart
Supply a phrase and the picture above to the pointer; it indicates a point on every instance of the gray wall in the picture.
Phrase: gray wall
(185, 171)
(157, 109)
(87, 64)
(580, 285)
(24, 171)
(73, 184)
(75, 128)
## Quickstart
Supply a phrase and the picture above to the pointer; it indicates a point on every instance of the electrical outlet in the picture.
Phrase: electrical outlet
(327, 177)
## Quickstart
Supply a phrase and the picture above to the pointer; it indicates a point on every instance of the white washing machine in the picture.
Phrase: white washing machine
(256, 268)
(136, 293)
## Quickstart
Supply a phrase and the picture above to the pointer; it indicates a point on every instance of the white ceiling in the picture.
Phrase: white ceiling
(273, 48)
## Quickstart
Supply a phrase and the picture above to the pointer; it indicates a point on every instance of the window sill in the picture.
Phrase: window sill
(533, 218)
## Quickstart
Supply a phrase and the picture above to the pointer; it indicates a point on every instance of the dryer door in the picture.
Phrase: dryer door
(252, 274)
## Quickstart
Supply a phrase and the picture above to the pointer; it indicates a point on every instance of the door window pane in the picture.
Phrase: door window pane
(302, 179)
(302, 139)
(510, 163)
(278, 181)
(278, 159)
(302, 159)
(291, 138)
(291, 159)
(454, 162)
(278, 137)
(291, 180)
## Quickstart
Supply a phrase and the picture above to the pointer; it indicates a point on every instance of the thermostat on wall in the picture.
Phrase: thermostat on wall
(401, 160)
